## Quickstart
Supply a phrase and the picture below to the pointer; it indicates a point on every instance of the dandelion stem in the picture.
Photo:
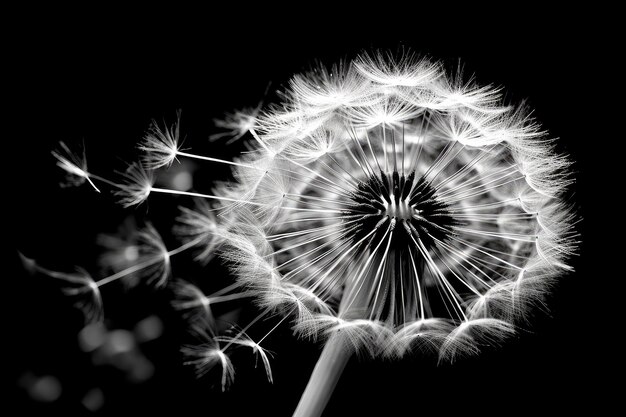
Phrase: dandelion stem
(333, 359)
(324, 378)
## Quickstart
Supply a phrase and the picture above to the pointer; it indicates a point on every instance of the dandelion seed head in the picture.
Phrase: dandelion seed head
(399, 204)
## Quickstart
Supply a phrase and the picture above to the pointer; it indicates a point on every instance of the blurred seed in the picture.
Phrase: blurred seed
(93, 399)
(131, 253)
(91, 337)
(182, 181)
(149, 329)
(141, 371)
(45, 389)
(119, 341)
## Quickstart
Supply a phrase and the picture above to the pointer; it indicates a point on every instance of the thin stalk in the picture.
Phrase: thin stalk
(332, 361)
(324, 378)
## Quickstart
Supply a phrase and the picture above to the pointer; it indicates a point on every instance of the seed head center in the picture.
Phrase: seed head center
(400, 210)
(387, 200)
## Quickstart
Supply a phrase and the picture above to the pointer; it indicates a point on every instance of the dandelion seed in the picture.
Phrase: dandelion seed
(74, 165)
(160, 145)
(77, 285)
(236, 124)
(205, 357)
(243, 340)
(137, 187)
(325, 90)
(208, 353)
(136, 255)
(196, 305)
(151, 246)
(199, 223)
(469, 335)
(425, 336)
(406, 71)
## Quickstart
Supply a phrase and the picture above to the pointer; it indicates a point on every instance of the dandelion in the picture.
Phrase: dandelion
(414, 207)
(384, 207)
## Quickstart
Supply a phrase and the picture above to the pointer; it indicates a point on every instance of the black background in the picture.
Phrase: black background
(104, 83)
